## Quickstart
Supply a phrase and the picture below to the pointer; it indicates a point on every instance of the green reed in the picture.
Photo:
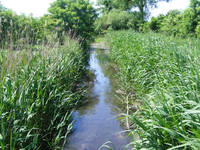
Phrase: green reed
(39, 87)
(164, 75)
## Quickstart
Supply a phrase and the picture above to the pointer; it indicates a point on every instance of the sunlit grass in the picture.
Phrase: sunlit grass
(39, 87)
(164, 73)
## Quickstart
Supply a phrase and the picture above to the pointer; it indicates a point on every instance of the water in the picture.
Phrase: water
(96, 122)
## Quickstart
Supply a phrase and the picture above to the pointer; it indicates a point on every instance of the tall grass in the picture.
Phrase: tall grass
(165, 75)
(39, 87)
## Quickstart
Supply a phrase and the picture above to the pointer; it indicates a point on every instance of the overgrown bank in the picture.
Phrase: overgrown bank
(39, 87)
(42, 73)
(164, 73)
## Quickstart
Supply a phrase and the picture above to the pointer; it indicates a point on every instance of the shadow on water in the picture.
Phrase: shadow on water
(96, 122)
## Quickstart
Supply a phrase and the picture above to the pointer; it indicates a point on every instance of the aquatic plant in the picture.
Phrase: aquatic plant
(164, 73)
(39, 87)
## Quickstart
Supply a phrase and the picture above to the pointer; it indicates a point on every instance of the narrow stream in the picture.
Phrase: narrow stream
(96, 122)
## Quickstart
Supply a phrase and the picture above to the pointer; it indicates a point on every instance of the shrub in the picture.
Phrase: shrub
(197, 31)
(170, 23)
(117, 20)
(177, 23)
(156, 23)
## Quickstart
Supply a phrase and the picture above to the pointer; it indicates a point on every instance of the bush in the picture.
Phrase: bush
(170, 23)
(117, 20)
(197, 31)
(176, 23)
(156, 23)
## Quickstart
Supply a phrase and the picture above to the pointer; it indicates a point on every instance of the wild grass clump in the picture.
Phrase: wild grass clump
(39, 87)
(165, 75)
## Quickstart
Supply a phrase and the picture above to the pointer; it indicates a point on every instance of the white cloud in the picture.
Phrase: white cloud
(40, 7)
(164, 8)
(35, 7)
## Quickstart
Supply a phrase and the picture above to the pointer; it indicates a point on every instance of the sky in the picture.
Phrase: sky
(39, 7)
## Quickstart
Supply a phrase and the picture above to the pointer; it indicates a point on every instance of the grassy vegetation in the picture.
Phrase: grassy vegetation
(39, 87)
(165, 75)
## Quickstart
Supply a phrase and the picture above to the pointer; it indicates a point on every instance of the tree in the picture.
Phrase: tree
(195, 4)
(75, 16)
(142, 5)
(107, 5)
(117, 20)
(170, 22)
(197, 30)
(155, 23)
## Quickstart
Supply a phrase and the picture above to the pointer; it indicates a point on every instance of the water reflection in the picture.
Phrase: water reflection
(95, 122)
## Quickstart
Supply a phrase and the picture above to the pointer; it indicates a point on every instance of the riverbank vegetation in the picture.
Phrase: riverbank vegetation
(158, 62)
(42, 71)
(164, 74)
(134, 15)
(43, 64)
(38, 90)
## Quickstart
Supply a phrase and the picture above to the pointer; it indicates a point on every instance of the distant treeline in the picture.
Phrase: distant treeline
(175, 22)
(76, 18)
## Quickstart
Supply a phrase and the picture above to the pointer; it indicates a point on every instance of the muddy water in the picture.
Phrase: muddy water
(96, 122)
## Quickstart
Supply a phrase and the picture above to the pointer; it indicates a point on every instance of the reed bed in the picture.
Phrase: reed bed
(39, 87)
(165, 75)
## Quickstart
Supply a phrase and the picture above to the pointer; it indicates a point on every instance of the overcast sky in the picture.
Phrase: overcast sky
(39, 7)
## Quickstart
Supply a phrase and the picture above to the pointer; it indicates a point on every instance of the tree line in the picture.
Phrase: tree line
(75, 18)
(134, 14)
(79, 19)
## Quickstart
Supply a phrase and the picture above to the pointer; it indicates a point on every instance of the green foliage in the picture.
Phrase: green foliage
(41, 74)
(106, 5)
(117, 20)
(16, 29)
(125, 4)
(164, 73)
(155, 23)
(73, 16)
(178, 23)
(195, 6)
(197, 31)
(170, 23)
(186, 23)
(175, 23)
(142, 5)
(38, 90)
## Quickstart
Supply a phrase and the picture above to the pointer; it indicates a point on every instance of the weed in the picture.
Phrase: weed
(164, 73)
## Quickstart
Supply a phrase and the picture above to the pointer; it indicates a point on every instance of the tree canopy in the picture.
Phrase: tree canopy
(75, 16)
(195, 5)
(142, 5)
